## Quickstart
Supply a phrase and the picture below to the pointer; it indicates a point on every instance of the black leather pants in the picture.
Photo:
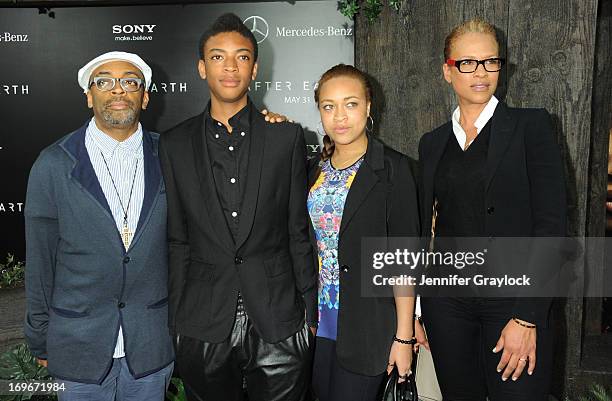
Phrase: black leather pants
(217, 371)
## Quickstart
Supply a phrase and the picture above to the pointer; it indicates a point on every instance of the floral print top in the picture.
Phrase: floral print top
(326, 201)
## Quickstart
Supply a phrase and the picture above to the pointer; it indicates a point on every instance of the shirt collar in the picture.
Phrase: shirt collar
(108, 145)
(483, 118)
(239, 121)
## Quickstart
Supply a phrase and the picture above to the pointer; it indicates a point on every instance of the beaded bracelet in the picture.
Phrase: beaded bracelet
(529, 326)
(399, 340)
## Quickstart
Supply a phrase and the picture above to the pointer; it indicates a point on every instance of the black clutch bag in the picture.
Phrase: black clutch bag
(394, 391)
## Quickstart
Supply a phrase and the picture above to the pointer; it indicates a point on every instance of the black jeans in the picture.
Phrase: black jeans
(332, 382)
(217, 371)
(462, 333)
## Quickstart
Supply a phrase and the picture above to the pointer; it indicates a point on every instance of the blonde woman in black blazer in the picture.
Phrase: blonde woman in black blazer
(358, 188)
(492, 171)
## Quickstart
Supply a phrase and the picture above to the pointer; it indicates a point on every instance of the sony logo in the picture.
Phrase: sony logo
(133, 28)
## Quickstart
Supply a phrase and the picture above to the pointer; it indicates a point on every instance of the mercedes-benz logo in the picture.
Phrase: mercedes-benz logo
(258, 26)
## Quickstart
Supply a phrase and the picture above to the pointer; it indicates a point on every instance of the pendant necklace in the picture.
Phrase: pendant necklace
(126, 233)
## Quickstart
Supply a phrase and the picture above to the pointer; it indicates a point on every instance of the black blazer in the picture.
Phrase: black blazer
(381, 202)
(525, 187)
(271, 263)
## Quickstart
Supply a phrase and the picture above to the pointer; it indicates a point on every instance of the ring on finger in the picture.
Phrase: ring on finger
(523, 359)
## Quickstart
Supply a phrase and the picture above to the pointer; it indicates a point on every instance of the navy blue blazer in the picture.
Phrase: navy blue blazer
(81, 283)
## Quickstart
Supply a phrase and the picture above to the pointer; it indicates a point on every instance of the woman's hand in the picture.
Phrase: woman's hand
(420, 336)
(519, 345)
(400, 356)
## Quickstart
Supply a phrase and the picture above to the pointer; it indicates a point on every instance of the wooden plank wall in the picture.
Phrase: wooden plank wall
(601, 127)
(550, 48)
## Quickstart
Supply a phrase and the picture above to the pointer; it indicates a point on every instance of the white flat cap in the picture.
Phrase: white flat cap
(84, 74)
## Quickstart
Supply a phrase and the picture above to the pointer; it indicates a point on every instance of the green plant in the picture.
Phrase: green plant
(348, 8)
(12, 273)
(19, 364)
(596, 393)
(180, 391)
(371, 8)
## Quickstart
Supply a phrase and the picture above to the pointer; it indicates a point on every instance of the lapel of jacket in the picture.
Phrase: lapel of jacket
(439, 139)
(365, 180)
(312, 168)
(255, 162)
(83, 172)
(84, 175)
(207, 185)
(153, 182)
(502, 130)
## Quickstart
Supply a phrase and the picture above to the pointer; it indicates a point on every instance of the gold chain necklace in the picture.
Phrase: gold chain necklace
(347, 163)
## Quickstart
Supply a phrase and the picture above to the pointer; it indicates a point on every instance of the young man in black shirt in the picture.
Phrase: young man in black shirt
(242, 278)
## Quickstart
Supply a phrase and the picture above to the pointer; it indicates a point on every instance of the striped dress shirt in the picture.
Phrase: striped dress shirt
(125, 162)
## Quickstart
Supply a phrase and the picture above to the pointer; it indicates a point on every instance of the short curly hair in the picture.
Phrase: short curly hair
(228, 23)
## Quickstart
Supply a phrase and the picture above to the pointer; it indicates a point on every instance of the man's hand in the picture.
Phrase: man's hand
(274, 117)
(519, 346)
(41, 362)
(313, 330)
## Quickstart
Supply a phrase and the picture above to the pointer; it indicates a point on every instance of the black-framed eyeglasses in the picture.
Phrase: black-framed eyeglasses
(108, 83)
(469, 65)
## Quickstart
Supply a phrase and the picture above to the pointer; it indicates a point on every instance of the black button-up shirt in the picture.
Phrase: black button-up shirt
(228, 153)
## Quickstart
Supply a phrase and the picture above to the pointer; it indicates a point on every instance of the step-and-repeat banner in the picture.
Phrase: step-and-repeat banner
(41, 52)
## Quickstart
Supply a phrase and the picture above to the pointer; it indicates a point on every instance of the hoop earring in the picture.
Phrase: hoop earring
(370, 129)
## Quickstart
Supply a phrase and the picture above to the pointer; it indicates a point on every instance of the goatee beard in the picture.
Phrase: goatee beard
(119, 118)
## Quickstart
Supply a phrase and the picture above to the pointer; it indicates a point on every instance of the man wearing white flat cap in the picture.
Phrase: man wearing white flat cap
(96, 277)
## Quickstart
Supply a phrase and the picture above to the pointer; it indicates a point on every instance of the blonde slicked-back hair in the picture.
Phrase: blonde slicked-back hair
(473, 25)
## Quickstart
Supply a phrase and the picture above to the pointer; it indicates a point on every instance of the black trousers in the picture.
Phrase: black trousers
(462, 333)
(217, 371)
(331, 382)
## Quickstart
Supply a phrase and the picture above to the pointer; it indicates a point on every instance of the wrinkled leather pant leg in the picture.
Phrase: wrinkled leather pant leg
(213, 371)
(216, 371)
(279, 371)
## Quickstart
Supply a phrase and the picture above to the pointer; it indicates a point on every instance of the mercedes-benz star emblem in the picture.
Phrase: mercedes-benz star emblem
(258, 26)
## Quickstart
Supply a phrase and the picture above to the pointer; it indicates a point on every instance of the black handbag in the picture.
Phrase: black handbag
(405, 391)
